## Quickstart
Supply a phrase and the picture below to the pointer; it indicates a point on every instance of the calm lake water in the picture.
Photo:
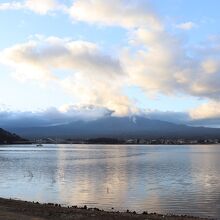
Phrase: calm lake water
(164, 179)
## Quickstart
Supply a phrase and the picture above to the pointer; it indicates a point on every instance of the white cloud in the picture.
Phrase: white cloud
(79, 67)
(159, 62)
(39, 7)
(43, 7)
(124, 13)
(11, 6)
(206, 111)
(186, 25)
(211, 66)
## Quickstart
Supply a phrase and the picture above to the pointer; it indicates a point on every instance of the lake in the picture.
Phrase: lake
(164, 179)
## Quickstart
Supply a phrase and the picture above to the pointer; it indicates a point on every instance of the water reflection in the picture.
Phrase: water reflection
(165, 179)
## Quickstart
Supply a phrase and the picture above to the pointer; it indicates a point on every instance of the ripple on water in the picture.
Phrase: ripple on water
(166, 179)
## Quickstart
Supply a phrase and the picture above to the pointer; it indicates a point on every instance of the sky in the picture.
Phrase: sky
(89, 58)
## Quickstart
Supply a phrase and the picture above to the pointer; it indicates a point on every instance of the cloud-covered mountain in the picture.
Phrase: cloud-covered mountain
(52, 116)
(70, 113)
(89, 121)
(118, 127)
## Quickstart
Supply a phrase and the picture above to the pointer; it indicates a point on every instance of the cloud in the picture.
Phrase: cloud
(210, 66)
(124, 13)
(79, 67)
(11, 6)
(206, 114)
(71, 113)
(43, 8)
(160, 62)
(210, 110)
(154, 60)
(157, 62)
(170, 116)
(55, 53)
(36, 6)
(186, 25)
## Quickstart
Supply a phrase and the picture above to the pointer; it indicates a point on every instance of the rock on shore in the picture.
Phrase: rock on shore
(17, 210)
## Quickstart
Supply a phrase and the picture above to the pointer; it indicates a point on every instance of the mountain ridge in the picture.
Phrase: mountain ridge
(9, 138)
(118, 127)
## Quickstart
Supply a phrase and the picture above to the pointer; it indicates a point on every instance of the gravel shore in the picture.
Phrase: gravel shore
(22, 210)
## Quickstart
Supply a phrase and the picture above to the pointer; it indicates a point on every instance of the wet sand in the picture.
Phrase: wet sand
(22, 210)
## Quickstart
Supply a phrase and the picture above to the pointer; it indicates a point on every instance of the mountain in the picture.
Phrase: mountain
(118, 127)
(9, 138)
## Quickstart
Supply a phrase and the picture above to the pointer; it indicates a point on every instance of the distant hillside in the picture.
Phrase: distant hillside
(9, 138)
(118, 127)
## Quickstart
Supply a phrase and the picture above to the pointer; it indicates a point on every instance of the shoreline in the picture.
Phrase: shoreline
(11, 209)
(79, 143)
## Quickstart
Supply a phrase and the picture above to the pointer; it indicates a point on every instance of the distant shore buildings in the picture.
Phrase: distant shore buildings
(142, 141)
